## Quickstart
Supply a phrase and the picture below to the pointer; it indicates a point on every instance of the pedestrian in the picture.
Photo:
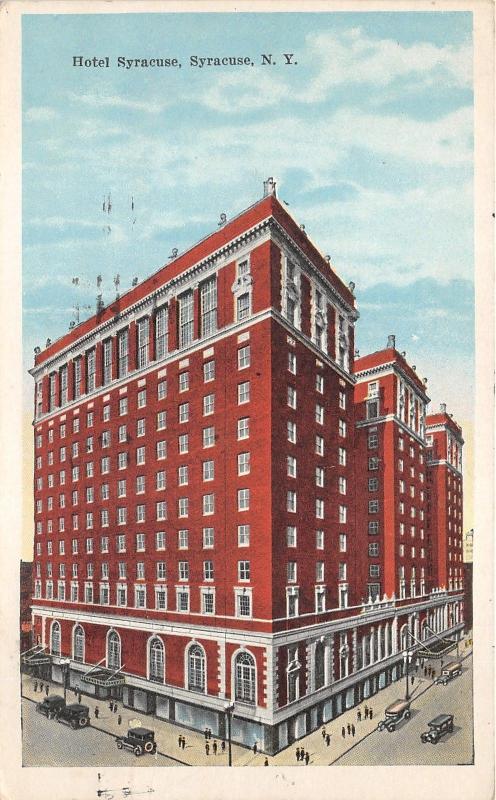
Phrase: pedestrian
(412, 679)
(206, 734)
(370, 713)
(97, 711)
(119, 719)
(179, 741)
(425, 672)
(207, 748)
(433, 674)
(353, 730)
(348, 728)
(343, 732)
(307, 758)
(441, 667)
(359, 715)
(254, 748)
(184, 742)
(36, 686)
(223, 746)
(366, 709)
(210, 733)
(79, 698)
(41, 686)
(214, 748)
(328, 740)
(115, 708)
(323, 732)
(297, 753)
(266, 762)
(46, 690)
(111, 705)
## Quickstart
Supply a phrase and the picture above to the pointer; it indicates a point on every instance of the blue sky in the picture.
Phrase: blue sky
(369, 138)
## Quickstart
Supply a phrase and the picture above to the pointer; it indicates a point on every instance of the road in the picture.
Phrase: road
(403, 746)
(47, 743)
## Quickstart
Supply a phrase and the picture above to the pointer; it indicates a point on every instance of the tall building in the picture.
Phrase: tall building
(26, 583)
(196, 543)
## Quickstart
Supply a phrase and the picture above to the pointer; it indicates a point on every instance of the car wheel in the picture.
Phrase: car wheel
(138, 750)
(149, 747)
(407, 714)
(83, 722)
(392, 728)
(119, 745)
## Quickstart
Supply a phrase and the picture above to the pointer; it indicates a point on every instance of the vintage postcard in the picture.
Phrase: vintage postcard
(247, 400)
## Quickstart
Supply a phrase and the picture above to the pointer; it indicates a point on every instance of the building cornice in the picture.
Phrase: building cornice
(387, 369)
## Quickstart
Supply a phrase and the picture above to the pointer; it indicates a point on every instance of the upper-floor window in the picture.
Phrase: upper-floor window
(52, 399)
(243, 306)
(208, 306)
(107, 362)
(64, 390)
(90, 370)
(143, 341)
(186, 319)
(123, 352)
(161, 332)
(77, 377)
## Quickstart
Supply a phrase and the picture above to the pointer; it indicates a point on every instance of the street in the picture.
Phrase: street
(47, 743)
(403, 746)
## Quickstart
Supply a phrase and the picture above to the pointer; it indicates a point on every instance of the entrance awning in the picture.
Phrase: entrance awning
(103, 677)
(36, 656)
(437, 649)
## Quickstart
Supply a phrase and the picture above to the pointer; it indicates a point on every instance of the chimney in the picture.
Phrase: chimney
(391, 341)
(443, 408)
(269, 187)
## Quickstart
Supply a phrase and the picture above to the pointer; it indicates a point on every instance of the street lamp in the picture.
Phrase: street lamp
(407, 660)
(229, 709)
(65, 663)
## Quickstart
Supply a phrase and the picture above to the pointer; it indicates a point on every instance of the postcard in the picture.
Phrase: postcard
(247, 404)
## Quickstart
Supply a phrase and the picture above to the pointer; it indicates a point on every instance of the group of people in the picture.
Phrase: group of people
(302, 755)
(215, 746)
(41, 687)
(326, 736)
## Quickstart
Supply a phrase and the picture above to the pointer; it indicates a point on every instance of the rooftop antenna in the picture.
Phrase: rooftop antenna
(222, 221)
(173, 254)
(117, 283)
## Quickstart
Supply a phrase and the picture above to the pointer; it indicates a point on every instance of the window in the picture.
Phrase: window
(243, 428)
(161, 390)
(161, 333)
(183, 412)
(161, 450)
(342, 485)
(342, 514)
(374, 549)
(161, 420)
(319, 384)
(208, 437)
(243, 570)
(121, 515)
(291, 501)
(342, 543)
(208, 306)
(373, 527)
(319, 445)
(156, 660)
(291, 536)
(244, 676)
(319, 508)
(291, 397)
(342, 456)
(140, 513)
(243, 463)
(123, 352)
(208, 404)
(161, 571)
(123, 405)
(185, 303)
(183, 475)
(161, 510)
(183, 443)
(319, 414)
(208, 504)
(184, 570)
(52, 397)
(196, 669)
(90, 370)
(243, 392)
(374, 570)
(208, 537)
(373, 463)
(209, 371)
(141, 398)
(291, 466)
(208, 601)
(372, 409)
(113, 651)
(183, 381)
(243, 306)
(373, 484)
(208, 471)
(243, 357)
(140, 484)
(121, 595)
(319, 571)
(77, 378)
(292, 363)
(291, 571)
(291, 428)
(243, 535)
(243, 499)
(342, 400)
(342, 427)
(208, 570)
(160, 540)
(373, 506)
(140, 570)
(183, 506)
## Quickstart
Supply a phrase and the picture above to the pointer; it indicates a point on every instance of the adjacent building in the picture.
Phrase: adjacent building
(215, 522)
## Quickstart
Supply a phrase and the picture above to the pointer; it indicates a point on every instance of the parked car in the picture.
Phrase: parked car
(438, 727)
(393, 714)
(50, 706)
(75, 715)
(449, 672)
(139, 740)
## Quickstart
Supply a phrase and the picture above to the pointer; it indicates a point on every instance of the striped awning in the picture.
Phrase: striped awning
(437, 649)
(103, 677)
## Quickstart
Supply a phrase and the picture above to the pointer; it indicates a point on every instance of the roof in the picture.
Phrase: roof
(53, 698)
(386, 357)
(440, 719)
(442, 418)
(141, 731)
(398, 705)
(77, 707)
(264, 208)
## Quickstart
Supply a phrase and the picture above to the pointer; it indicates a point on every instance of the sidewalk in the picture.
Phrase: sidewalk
(166, 733)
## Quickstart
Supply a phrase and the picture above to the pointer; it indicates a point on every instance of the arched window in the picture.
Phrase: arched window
(78, 643)
(55, 639)
(319, 665)
(113, 650)
(156, 660)
(245, 678)
(196, 668)
(404, 637)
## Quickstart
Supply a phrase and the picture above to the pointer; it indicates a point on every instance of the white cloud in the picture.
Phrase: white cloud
(40, 114)
(102, 100)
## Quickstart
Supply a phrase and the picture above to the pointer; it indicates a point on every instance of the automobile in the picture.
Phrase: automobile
(438, 727)
(50, 705)
(75, 715)
(139, 740)
(393, 714)
(449, 672)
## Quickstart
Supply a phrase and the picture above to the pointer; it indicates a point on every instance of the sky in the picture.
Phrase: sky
(368, 135)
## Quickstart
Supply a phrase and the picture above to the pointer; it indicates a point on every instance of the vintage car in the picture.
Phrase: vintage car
(75, 715)
(139, 740)
(393, 714)
(438, 727)
(449, 672)
(50, 706)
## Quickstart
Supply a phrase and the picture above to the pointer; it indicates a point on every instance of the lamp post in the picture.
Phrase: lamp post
(407, 660)
(229, 711)
(65, 663)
